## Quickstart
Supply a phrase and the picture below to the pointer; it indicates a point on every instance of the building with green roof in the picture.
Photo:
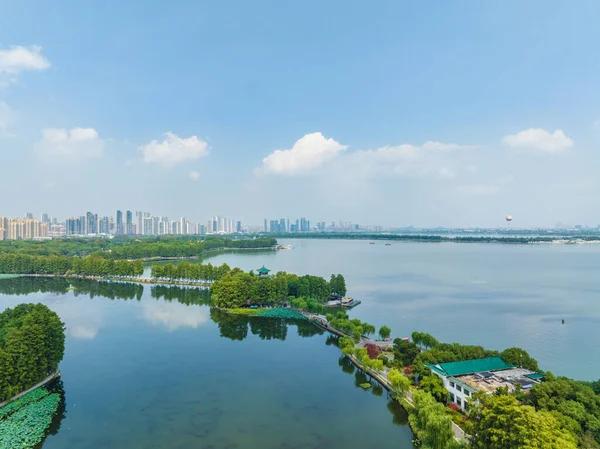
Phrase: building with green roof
(263, 272)
(469, 366)
(465, 377)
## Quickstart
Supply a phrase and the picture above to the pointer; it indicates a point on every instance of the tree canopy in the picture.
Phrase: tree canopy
(32, 344)
(500, 422)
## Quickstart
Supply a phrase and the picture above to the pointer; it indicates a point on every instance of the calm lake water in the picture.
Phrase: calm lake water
(151, 367)
(493, 295)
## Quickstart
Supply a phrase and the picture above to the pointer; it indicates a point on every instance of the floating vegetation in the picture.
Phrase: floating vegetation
(32, 396)
(23, 423)
(287, 314)
(365, 385)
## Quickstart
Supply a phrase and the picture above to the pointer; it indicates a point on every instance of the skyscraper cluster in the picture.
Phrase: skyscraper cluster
(222, 225)
(22, 228)
(123, 223)
(284, 225)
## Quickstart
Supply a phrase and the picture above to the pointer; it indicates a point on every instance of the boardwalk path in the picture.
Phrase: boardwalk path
(39, 384)
(379, 376)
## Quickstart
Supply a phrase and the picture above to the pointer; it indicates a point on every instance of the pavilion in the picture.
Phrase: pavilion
(263, 272)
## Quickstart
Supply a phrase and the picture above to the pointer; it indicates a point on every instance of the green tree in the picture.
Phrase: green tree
(400, 383)
(384, 332)
(500, 422)
(519, 357)
(405, 351)
(435, 387)
(432, 424)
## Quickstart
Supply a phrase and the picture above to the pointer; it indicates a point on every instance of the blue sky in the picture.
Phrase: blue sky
(439, 113)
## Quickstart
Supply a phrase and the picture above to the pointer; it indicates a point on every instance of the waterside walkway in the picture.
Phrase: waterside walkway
(379, 376)
(24, 392)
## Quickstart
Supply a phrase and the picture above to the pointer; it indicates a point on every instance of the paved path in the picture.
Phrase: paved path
(39, 384)
(380, 377)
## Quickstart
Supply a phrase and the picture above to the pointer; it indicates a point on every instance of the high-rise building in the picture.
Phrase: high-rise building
(238, 227)
(147, 225)
(266, 227)
(104, 226)
(22, 229)
(91, 223)
(182, 226)
(29, 216)
(119, 224)
(128, 223)
(45, 218)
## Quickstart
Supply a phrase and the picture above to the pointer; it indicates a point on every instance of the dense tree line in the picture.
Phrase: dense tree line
(32, 343)
(64, 265)
(132, 248)
(190, 272)
(238, 288)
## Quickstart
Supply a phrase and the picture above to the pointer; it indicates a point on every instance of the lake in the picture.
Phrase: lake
(495, 295)
(154, 367)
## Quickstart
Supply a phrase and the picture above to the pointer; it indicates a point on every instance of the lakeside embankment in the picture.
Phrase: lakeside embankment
(437, 238)
(206, 253)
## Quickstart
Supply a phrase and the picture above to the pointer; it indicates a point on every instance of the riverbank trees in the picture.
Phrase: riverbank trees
(32, 343)
(63, 265)
(132, 248)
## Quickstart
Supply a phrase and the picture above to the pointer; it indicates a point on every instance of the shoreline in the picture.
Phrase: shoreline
(166, 258)
(30, 389)
(436, 238)
(119, 280)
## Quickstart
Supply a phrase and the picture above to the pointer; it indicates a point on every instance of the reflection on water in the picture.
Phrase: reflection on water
(156, 373)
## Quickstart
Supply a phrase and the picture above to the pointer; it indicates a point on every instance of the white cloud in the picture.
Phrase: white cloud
(18, 59)
(173, 150)
(309, 152)
(173, 315)
(7, 117)
(445, 172)
(194, 175)
(477, 189)
(83, 332)
(77, 143)
(403, 160)
(539, 139)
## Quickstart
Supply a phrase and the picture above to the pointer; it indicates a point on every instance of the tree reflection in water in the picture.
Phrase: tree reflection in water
(56, 386)
(234, 327)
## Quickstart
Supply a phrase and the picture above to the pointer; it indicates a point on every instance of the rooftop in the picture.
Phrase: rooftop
(508, 378)
(469, 366)
(263, 270)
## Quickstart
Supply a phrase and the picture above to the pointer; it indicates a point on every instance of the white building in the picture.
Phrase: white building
(464, 378)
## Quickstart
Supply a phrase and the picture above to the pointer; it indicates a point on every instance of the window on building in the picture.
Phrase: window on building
(452, 384)
(458, 402)
(467, 393)
(451, 397)
(458, 388)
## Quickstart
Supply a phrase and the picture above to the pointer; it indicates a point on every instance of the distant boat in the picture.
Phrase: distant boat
(371, 243)
(388, 244)
(406, 339)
